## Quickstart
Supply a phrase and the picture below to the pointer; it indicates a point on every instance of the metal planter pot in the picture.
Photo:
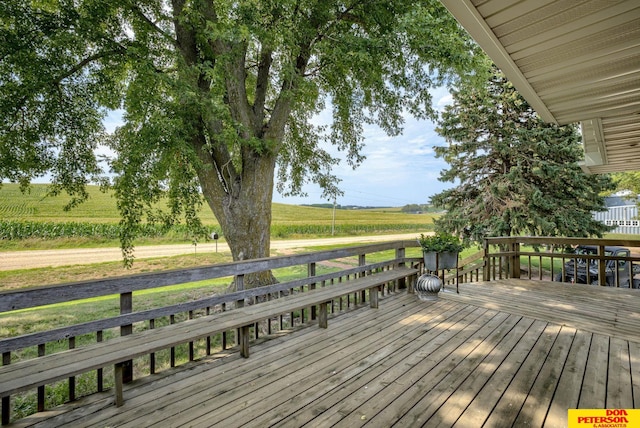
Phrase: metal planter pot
(435, 261)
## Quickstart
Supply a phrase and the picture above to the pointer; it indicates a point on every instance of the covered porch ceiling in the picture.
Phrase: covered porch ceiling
(573, 61)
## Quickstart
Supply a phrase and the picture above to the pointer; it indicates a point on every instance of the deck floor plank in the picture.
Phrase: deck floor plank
(489, 395)
(357, 356)
(457, 405)
(613, 312)
(619, 379)
(340, 356)
(594, 383)
(447, 372)
(535, 408)
(508, 407)
(506, 353)
(567, 394)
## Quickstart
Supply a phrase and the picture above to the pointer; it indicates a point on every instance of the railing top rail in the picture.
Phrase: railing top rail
(545, 240)
(38, 296)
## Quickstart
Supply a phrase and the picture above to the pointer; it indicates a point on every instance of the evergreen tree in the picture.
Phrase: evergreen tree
(516, 174)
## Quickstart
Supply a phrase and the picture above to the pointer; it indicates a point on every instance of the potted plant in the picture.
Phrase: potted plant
(440, 251)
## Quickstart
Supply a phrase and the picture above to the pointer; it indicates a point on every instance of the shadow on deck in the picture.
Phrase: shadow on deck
(505, 353)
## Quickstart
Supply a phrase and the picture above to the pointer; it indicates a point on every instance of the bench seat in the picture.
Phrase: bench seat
(29, 374)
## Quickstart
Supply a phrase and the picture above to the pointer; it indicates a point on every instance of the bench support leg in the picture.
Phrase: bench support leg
(6, 401)
(244, 341)
(323, 316)
(6, 410)
(119, 374)
(373, 297)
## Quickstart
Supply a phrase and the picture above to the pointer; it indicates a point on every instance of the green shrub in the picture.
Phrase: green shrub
(440, 242)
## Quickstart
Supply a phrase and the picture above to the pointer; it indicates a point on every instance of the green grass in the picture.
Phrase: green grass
(536, 264)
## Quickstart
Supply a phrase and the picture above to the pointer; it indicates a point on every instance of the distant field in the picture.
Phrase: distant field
(101, 208)
(34, 209)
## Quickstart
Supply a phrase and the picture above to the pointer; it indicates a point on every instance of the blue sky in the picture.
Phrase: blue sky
(397, 170)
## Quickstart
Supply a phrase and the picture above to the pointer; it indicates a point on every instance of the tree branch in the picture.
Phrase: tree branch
(262, 86)
(79, 66)
(235, 82)
(55, 81)
(138, 12)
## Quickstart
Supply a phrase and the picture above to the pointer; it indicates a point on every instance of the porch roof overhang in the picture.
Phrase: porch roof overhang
(573, 61)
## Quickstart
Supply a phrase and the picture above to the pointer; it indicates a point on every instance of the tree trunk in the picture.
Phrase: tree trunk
(244, 210)
(237, 177)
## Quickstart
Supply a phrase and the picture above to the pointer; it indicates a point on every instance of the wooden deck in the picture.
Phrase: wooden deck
(508, 353)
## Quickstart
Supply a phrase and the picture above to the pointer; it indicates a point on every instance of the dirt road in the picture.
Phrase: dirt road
(13, 260)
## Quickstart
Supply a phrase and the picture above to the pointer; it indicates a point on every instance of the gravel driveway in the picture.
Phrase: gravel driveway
(13, 260)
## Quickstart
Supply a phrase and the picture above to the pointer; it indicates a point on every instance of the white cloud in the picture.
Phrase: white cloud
(397, 170)
(113, 120)
(444, 101)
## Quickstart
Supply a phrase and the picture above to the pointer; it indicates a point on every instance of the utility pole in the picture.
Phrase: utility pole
(333, 221)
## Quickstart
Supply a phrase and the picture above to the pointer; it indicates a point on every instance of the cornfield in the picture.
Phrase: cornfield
(284, 231)
(21, 229)
(17, 230)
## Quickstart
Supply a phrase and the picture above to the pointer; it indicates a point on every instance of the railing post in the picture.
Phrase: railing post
(6, 401)
(240, 333)
(602, 266)
(41, 388)
(126, 307)
(362, 260)
(72, 379)
(400, 255)
(311, 271)
(515, 260)
(486, 269)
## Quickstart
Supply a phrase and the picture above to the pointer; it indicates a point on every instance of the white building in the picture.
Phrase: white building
(622, 213)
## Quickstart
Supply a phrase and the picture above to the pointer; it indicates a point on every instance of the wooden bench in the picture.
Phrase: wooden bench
(29, 374)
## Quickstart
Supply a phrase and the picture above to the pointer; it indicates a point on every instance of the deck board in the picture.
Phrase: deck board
(570, 382)
(619, 379)
(535, 408)
(594, 382)
(508, 353)
(513, 398)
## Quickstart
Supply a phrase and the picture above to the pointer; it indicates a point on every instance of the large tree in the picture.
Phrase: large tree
(628, 182)
(217, 95)
(514, 173)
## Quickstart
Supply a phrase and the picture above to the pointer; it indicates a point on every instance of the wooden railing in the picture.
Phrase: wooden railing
(98, 330)
(547, 258)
